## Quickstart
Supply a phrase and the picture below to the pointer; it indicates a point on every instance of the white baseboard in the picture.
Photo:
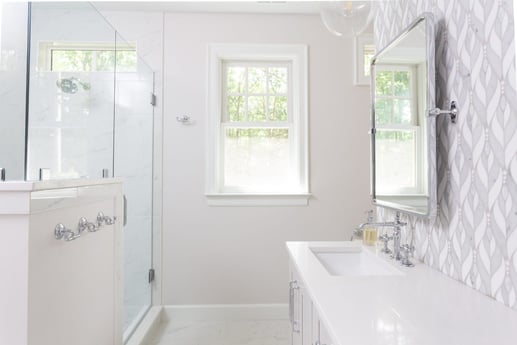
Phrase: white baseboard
(222, 312)
(147, 327)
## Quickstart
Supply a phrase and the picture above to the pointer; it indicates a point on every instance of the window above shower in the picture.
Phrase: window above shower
(86, 57)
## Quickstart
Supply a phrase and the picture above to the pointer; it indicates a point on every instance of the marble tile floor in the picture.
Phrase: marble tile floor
(230, 332)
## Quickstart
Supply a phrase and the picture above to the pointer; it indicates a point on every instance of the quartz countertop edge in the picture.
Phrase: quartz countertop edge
(13, 186)
(420, 307)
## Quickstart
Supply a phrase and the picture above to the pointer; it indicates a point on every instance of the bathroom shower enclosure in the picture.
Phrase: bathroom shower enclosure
(76, 102)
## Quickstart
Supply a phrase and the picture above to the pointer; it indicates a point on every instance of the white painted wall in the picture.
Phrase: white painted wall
(237, 254)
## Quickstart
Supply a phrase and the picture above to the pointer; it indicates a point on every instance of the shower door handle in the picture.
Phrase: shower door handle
(125, 210)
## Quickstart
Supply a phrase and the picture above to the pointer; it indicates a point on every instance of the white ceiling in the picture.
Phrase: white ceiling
(280, 7)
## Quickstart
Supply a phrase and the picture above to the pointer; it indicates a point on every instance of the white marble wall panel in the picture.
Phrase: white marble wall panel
(13, 63)
(474, 236)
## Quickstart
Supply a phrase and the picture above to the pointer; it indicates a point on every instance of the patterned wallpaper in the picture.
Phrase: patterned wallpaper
(474, 236)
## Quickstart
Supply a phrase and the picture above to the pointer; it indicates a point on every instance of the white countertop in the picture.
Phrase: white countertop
(421, 307)
(10, 186)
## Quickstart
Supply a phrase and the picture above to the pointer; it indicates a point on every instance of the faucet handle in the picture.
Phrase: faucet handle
(357, 233)
(385, 238)
(406, 251)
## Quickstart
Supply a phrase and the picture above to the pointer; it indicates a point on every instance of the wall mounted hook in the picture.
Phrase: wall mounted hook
(184, 120)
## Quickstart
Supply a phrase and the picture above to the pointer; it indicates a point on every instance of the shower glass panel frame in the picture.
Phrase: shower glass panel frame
(133, 160)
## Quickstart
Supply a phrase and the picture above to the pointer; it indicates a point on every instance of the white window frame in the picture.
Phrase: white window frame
(296, 56)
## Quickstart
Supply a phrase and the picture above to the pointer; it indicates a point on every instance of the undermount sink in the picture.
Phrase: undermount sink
(352, 261)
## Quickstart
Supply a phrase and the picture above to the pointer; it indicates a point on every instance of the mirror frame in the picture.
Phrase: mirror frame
(377, 200)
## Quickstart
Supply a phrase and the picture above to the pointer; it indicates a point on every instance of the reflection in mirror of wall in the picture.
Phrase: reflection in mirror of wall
(403, 135)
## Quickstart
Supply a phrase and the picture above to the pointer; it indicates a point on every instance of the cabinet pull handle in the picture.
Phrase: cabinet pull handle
(293, 285)
(291, 302)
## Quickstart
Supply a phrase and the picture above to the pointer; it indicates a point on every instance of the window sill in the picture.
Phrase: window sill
(242, 199)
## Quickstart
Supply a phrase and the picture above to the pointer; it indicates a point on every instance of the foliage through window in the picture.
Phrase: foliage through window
(70, 60)
(87, 57)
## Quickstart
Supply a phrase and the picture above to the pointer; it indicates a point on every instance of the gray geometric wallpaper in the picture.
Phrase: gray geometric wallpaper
(474, 237)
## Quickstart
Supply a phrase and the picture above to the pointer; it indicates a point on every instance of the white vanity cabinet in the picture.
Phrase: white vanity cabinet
(319, 334)
(54, 291)
(306, 327)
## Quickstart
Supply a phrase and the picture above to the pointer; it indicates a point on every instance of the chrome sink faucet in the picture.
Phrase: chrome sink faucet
(397, 248)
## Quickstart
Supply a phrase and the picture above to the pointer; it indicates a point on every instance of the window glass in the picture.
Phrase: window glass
(82, 60)
(397, 151)
(277, 108)
(278, 79)
(235, 80)
(256, 108)
(257, 80)
(256, 157)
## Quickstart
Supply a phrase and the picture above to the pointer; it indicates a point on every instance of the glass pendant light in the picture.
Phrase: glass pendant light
(346, 18)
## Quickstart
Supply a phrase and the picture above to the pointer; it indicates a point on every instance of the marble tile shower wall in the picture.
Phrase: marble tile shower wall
(70, 134)
(474, 236)
(13, 62)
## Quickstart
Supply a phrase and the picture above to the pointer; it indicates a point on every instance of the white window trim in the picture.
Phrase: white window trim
(217, 54)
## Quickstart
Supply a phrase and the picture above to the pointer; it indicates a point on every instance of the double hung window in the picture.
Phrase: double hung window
(258, 122)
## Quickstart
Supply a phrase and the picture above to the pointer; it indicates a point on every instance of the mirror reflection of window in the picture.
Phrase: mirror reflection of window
(368, 54)
(398, 138)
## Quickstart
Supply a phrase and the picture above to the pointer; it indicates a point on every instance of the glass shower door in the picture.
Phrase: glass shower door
(133, 160)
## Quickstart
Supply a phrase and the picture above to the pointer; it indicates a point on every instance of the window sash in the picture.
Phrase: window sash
(419, 187)
(413, 90)
(259, 64)
(293, 156)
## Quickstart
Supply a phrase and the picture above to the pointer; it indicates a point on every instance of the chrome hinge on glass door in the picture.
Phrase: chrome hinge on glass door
(151, 275)
(153, 99)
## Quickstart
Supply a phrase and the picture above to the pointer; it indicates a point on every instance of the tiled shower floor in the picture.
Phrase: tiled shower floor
(231, 332)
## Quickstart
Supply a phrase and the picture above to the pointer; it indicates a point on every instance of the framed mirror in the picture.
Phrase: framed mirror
(403, 136)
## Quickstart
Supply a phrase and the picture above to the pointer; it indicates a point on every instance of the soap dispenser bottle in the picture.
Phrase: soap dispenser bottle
(369, 232)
